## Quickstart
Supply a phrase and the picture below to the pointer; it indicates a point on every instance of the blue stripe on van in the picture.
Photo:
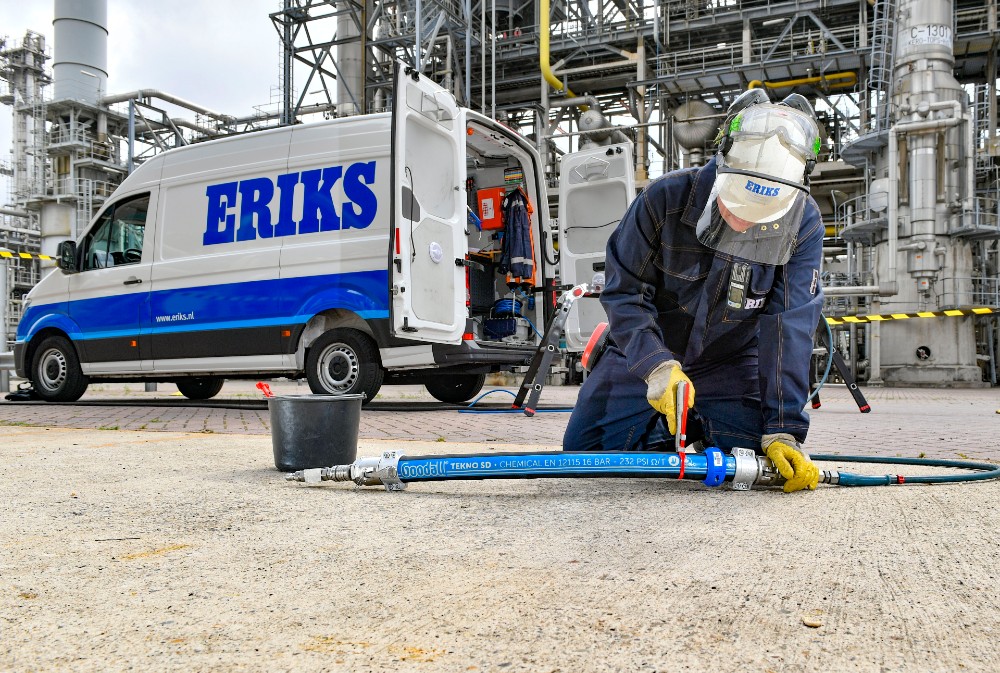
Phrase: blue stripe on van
(283, 301)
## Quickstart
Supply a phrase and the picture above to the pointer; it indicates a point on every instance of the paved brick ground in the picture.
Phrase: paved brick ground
(903, 421)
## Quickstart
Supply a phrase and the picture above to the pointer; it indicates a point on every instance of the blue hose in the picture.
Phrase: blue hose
(471, 410)
(513, 307)
(711, 467)
(556, 464)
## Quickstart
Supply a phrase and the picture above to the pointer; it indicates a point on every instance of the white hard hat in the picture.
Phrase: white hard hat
(763, 161)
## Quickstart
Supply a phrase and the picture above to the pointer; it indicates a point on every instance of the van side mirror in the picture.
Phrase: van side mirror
(67, 256)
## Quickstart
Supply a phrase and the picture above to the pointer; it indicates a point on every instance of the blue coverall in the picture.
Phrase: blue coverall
(666, 299)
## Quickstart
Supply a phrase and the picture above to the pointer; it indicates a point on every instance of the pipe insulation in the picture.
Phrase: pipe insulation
(140, 94)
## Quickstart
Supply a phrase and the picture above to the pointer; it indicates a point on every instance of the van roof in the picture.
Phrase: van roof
(148, 173)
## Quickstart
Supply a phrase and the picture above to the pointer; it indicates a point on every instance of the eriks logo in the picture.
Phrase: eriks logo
(761, 189)
(319, 213)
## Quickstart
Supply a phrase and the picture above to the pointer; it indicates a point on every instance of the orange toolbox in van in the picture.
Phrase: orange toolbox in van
(490, 200)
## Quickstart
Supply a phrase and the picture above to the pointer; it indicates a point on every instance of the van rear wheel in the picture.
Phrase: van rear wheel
(200, 387)
(344, 362)
(56, 373)
(456, 389)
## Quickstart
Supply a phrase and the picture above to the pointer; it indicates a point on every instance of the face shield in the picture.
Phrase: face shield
(769, 242)
(761, 185)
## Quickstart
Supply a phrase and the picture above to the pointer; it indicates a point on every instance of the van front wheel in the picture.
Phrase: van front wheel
(200, 387)
(56, 373)
(344, 362)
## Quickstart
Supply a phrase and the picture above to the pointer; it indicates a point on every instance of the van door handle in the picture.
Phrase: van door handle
(132, 281)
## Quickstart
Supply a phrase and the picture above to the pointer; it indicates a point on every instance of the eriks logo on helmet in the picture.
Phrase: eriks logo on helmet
(761, 189)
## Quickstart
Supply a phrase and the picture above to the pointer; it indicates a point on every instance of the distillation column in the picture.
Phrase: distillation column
(351, 60)
(79, 80)
(929, 168)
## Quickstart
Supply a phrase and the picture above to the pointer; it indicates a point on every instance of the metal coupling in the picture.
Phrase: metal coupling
(767, 473)
(317, 474)
(362, 472)
(388, 471)
(829, 477)
(746, 469)
(375, 471)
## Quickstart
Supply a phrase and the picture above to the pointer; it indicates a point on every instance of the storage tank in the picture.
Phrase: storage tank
(695, 124)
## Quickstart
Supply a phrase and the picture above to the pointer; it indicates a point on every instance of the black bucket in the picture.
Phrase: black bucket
(314, 430)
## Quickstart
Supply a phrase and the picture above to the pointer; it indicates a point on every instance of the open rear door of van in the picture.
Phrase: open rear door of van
(596, 187)
(428, 248)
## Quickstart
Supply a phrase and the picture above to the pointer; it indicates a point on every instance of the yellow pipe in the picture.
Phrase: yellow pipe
(851, 77)
(543, 53)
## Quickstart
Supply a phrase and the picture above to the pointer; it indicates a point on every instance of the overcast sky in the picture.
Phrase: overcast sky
(222, 54)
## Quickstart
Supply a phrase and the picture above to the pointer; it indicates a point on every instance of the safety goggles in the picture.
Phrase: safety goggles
(794, 130)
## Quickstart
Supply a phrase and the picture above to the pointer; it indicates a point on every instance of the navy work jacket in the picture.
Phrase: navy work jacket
(666, 299)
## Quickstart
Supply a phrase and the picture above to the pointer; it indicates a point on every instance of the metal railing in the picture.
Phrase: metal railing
(964, 292)
(986, 292)
(70, 136)
(82, 138)
(730, 56)
(78, 187)
(982, 222)
(26, 275)
(972, 21)
(859, 211)
(836, 305)
(14, 312)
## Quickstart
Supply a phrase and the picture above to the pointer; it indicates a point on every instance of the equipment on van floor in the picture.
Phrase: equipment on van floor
(742, 469)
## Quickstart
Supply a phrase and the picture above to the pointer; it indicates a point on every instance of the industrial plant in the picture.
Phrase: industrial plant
(908, 178)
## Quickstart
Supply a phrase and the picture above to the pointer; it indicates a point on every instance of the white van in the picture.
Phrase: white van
(341, 251)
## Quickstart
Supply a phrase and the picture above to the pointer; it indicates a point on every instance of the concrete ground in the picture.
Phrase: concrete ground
(140, 533)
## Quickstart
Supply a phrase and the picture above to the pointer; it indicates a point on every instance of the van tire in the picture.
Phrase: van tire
(55, 371)
(344, 362)
(200, 387)
(456, 389)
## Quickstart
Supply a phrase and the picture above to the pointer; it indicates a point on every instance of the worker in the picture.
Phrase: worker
(713, 278)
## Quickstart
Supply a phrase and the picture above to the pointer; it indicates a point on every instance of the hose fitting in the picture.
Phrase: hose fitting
(373, 471)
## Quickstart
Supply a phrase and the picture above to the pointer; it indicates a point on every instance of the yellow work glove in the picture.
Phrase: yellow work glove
(661, 391)
(798, 471)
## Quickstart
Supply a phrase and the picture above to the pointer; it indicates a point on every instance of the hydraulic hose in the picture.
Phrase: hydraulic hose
(394, 470)
(741, 469)
(978, 471)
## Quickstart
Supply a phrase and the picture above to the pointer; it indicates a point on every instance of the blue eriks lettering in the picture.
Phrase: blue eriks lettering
(761, 189)
(356, 181)
(254, 198)
(286, 223)
(318, 211)
(255, 195)
(221, 198)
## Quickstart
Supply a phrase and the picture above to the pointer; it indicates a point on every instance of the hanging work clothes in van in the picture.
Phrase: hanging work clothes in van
(517, 259)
